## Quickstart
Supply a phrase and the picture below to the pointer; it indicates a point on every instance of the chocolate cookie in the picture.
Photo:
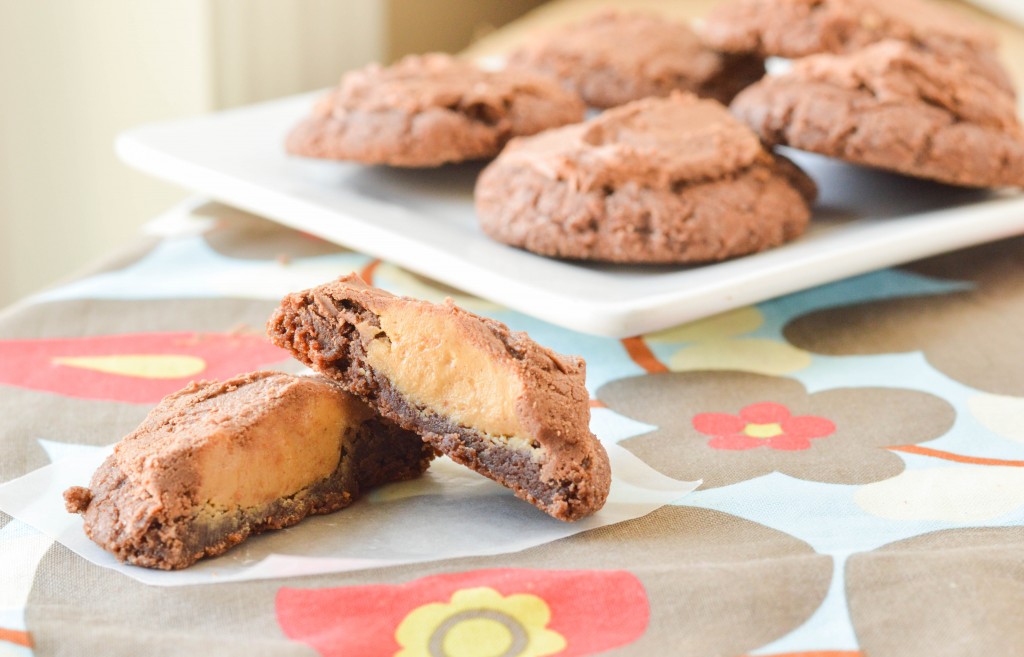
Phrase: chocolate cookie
(797, 28)
(427, 110)
(489, 398)
(661, 180)
(894, 107)
(614, 58)
(219, 461)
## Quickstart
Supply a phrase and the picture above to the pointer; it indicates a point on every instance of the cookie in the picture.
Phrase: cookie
(220, 461)
(660, 180)
(429, 110)
(894, 107)
(614, 58)
(797, 28)
(487, 397)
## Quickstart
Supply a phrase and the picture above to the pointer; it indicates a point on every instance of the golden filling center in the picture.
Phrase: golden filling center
(435, 364)
(275, 457)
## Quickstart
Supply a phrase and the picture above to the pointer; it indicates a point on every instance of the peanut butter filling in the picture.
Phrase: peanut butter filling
(277, 456)
(438, 365)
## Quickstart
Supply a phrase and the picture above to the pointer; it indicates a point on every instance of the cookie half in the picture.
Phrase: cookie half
(798, 28)
(661, 180)
(220, 461)
(894, 107)
(614, 58)
(429, 110)
(489, 398)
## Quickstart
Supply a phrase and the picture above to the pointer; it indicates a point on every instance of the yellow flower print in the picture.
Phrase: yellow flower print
(744, 354)
(725, 325)
(480, 622)
(717, 343)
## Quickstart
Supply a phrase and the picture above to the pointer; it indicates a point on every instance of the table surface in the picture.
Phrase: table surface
(861, 446)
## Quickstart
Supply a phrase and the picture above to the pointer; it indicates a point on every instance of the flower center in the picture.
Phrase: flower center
(763, 430)
(478, 633)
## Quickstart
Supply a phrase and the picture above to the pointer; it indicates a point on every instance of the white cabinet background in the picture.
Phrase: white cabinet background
(74, 73)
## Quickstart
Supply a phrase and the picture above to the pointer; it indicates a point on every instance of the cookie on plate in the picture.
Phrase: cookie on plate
(614, 58)
(660, 180)
(219, 461)
(894, 107)
(797, 28)
(429, 110)
(489, 398)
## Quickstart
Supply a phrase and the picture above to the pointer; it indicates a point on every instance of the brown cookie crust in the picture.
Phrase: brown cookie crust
(615, 57)
(331, 327)
(142, 504)
(893, 107)
(798, 28)
(428, 110)
(674, 180)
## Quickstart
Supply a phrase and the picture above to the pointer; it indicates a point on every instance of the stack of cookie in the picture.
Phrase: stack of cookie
(661, 178)
(667, 175)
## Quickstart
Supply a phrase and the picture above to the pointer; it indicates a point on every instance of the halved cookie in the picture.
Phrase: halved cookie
(661, 180)
(894, 107)
(425, 111)
(798, 28)
(615, 57)
(220, 461)
(489, 398)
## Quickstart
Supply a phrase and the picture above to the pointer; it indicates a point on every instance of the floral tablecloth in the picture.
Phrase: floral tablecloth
(861, 447)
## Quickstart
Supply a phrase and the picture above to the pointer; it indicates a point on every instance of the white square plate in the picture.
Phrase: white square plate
(424, 221)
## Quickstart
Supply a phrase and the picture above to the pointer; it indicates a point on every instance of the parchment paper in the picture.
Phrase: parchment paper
(449, 512)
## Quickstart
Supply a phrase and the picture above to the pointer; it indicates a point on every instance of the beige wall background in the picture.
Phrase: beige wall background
(75, 73)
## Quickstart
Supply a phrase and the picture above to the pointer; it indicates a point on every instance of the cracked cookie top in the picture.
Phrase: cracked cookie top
(657, 181)
(616, 57)
(797, 28)
(652, 143)
(896, 107)
(428, 110)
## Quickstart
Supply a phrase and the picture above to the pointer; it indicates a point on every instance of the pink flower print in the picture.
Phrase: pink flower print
(764, 424)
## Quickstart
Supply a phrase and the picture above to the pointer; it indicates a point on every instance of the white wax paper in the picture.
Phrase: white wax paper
(449, 512)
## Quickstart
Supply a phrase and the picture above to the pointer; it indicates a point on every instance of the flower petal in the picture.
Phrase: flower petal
(737, 441)
(756, 355)
(717, 424)
(564, 612)
(945, 494)
(765, 413)
(728, 324)
(808, 426)
(1003, 415)
(789, 443)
